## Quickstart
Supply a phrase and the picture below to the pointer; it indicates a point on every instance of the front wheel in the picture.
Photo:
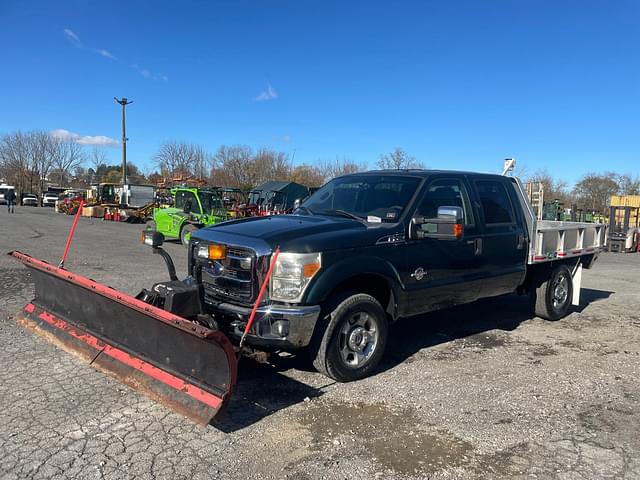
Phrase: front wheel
(553, 296)
(185, 233)
(351, 338)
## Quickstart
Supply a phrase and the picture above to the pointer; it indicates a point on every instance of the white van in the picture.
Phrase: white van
(3, 189)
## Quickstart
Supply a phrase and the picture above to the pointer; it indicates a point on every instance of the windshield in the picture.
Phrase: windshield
(255, 196)
(211, 203)
(373, 198)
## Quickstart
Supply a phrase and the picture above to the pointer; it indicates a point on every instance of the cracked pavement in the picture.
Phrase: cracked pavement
(479, 391)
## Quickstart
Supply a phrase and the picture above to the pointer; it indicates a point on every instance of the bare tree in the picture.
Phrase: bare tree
(231, 167)
(42, 159)
(339, 166)
(97, 157)
(554, 188)
(67, 155)
(14, 158)
(594, 191)
(628, 185)
(182, 160)
(308, 175)
(398, 159)
(268, 164)
(25, 158)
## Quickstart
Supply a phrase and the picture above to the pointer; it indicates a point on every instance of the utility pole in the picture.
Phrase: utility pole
(124, 102)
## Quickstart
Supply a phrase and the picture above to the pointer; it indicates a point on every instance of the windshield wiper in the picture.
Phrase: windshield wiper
(306, 209)
(344, 213)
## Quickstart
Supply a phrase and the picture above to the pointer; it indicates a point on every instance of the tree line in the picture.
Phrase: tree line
(591, 193)
(31, 160)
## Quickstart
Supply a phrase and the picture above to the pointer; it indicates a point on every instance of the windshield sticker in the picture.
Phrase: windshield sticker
(374, 219)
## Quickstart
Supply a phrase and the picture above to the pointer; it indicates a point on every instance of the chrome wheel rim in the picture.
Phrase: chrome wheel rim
(560, 291)
(358, 340)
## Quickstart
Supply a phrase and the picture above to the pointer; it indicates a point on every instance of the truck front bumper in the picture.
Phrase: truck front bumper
(275, 326)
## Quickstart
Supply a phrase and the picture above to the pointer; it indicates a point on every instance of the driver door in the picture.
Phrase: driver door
(444, 272)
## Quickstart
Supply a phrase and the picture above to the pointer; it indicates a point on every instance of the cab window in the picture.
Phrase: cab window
(494, 200)
(187, 201)
(445, 193)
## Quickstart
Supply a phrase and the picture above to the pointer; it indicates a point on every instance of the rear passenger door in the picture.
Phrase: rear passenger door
(503, 236)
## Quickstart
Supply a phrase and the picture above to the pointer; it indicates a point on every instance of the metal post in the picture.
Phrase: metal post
(124, 102)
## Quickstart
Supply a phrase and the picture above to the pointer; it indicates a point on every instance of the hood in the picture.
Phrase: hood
(297, 233)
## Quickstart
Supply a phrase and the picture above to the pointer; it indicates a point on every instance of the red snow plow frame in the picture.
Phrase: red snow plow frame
(188, 367)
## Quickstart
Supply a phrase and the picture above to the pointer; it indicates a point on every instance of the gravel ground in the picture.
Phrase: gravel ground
(480, 391)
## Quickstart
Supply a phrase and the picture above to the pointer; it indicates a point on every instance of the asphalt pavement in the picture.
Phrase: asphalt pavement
(480, 391)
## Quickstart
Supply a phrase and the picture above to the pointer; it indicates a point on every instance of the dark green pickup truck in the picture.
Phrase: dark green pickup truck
(368, 249)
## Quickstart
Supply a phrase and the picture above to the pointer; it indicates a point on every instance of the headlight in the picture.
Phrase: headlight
(291, 275)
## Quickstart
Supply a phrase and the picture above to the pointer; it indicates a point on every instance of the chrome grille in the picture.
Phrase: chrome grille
(233, 279)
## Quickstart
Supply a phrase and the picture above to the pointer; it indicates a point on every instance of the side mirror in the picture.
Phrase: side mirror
(152, 238)
(446, 226)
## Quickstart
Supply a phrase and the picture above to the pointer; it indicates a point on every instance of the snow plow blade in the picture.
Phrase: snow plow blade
(185, 366)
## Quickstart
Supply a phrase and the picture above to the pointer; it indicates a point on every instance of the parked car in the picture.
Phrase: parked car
(49, 199)
(29, 200)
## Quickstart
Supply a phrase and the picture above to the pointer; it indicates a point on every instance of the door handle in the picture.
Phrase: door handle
(477, 245)
(521, 241)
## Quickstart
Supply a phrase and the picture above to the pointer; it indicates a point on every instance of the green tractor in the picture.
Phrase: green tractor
(193, 208)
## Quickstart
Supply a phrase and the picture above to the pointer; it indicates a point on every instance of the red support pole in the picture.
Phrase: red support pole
(73, 229)
(260, 295)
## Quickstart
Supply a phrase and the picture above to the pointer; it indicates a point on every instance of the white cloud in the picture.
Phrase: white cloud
(75, 40)
(145, 72)
(148, 74)
(105, 53)
(72, 37)
(283, 138)
(268, 94)
(97, 140)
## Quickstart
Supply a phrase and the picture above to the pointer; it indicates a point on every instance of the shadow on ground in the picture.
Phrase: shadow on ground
(504, 313)
(263, 390)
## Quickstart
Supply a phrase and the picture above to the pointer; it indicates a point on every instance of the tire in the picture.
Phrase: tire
(553, 296)
(185, 233)
(350, 338)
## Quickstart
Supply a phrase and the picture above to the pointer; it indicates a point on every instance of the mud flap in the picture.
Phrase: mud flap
(185, 366)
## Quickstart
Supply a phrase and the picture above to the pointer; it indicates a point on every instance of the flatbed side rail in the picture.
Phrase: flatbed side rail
(557, 240)
(552, 240)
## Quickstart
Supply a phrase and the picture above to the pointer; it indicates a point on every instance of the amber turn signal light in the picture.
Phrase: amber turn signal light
(217, 252)
(310, 269)
(457, 230)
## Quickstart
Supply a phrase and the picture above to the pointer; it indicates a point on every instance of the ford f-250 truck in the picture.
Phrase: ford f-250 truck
(362, 252)
(370, 248)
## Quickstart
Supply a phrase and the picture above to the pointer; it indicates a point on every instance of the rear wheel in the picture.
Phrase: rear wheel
(185, 233)
(553, 296)
(351, 338)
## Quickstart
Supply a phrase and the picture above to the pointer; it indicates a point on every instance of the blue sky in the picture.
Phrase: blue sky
(458, 84)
